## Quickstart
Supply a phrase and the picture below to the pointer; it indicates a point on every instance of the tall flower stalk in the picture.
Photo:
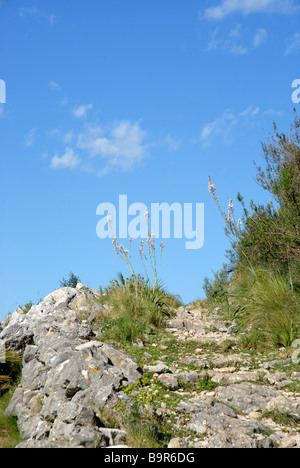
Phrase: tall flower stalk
(123, 254)
(233, 228)
(148, 256)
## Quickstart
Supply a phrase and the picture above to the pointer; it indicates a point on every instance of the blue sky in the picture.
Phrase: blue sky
(143, 98)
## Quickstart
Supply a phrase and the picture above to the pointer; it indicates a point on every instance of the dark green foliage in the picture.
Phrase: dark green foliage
(71, 282)
(215, 289)
(265, 248)
(271, 233)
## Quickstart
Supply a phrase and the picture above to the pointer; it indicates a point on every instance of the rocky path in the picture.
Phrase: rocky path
(235, 399)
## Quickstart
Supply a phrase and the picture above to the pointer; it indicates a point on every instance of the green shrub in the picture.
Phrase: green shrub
(71, 282)
(135, 309)
(267, 302)
(9, 433)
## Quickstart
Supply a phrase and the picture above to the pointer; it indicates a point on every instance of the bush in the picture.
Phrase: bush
(267, 302)
(271, 234)
(215, 289)
(71, 282)
(135, 309)
(265, 247)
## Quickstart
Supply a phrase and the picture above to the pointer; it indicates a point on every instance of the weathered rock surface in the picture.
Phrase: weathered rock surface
(67, 375)
(237, 413)
(223, 399)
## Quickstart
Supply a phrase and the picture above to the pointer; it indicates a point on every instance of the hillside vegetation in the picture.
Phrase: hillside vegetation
(260, 285)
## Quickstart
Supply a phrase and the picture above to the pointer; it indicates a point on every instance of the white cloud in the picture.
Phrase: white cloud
(30, 137)
(223, 126)
(52, 133)
(235, 33)
(260, 37)
(229, 44)
(247, 7)
(68, 161)
(251, 111)
(293, 44)
(26, 12)
(53, 85)
(121, 147)
(81, 111)
(68, 137)
(172, 143)
(29, 11)
(273, 112)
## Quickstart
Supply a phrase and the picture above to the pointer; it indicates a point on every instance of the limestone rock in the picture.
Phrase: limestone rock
(67, 375)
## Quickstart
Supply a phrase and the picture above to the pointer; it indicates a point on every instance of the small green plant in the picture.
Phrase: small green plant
(134, 310)
(10, 370)
(71, 282)
(148, 257)
(9, 433)
(283, 418)
(253, 340)
(26, 307)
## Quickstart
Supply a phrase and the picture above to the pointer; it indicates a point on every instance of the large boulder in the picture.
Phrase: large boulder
(68, 375)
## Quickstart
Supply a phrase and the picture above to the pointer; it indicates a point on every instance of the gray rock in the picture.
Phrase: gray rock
(221, 424)
(247, 397)
(174, 324)
(191, 377)
(169, 380)
(67, 375)
(178, 443)
(232, 329)
(159, 368)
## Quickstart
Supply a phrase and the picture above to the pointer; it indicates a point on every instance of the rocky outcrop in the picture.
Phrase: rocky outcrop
(215, 398)
(68, 375)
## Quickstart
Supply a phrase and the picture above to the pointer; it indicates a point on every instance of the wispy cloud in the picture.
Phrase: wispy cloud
(230, 43)
(69, 137)
(247, 7)
(29, 11)
(292, 44)
(233, 42)
(223, 126)
(251, 111)
(172, 143)
(53, 85)
(30, 137)
(69, 160)
(81, 111)
(33, 11)
(122, 147)
(274, 113)
(260, 37)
